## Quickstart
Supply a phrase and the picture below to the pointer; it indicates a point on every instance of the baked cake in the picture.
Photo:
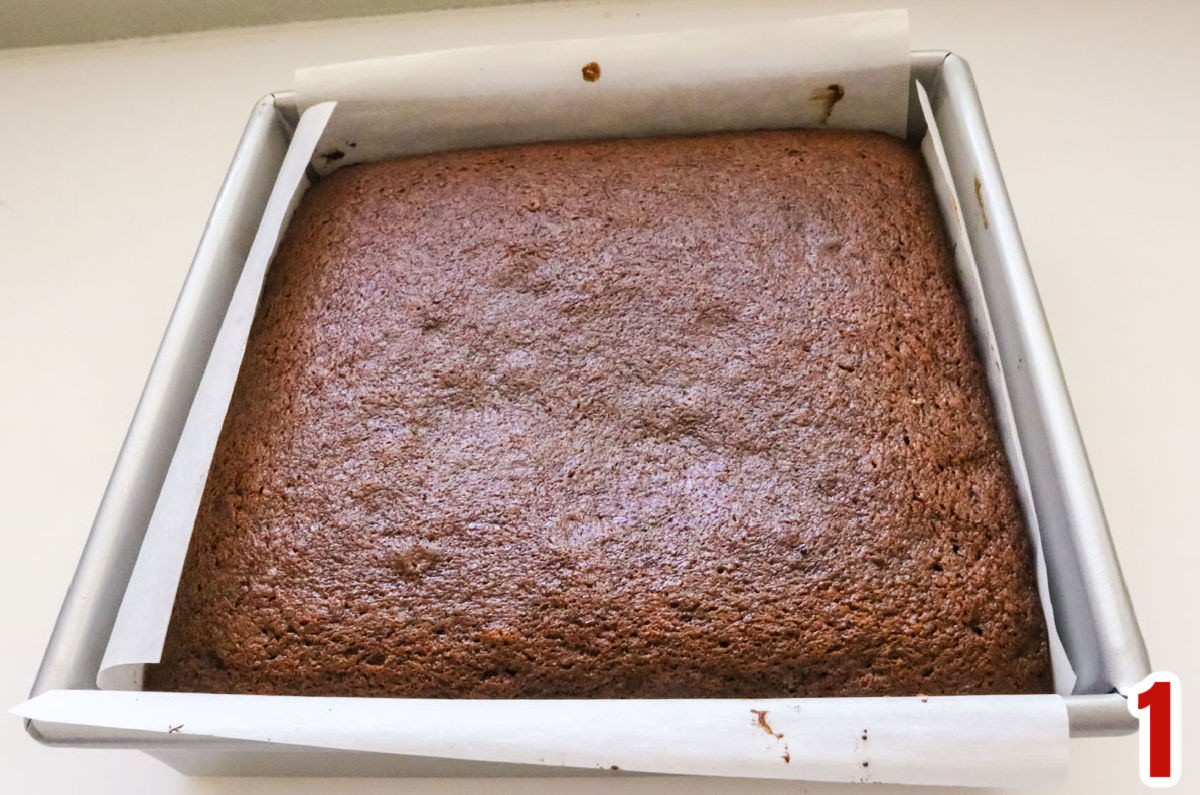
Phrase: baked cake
(666, 418)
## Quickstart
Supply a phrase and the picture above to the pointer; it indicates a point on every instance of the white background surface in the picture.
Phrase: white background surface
(111, 154)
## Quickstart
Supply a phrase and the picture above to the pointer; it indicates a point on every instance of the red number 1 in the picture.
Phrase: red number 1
(1157, 708)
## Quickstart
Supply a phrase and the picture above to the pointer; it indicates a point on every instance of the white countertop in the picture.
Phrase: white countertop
(111, 155)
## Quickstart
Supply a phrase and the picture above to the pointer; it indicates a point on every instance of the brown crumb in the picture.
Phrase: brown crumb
(591, 72)
(762, 722)
(829, 96)
(335, 154)
(979, 198)
(533, 201)
(414, 561)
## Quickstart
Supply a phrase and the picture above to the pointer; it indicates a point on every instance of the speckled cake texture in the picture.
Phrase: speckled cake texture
(679, 417)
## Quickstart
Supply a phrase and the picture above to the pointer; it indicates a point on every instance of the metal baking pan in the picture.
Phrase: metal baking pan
(1095, 618)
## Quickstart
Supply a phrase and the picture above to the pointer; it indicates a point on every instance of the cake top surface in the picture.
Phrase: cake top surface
(680, 417)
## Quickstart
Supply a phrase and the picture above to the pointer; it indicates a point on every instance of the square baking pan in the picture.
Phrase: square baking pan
(1095, 619)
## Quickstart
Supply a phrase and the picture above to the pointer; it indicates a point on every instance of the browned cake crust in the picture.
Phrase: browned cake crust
(682, 417)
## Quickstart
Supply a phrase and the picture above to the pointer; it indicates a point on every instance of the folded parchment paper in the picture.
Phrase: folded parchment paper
(846, 71)
(989, 741)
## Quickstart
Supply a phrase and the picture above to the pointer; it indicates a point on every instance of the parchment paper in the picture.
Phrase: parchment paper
(842, 71)
(141, 625)
(987, 741)
(744, 78)
(972, 288)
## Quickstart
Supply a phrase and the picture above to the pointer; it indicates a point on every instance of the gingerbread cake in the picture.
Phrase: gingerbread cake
(665, 418)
